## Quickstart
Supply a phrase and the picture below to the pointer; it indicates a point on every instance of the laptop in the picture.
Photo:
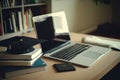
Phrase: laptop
(52, 30)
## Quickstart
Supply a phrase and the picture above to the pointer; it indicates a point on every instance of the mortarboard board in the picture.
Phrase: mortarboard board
(20, 44)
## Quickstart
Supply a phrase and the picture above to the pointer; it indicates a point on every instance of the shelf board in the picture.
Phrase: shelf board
(9, 35)
(27, 5)
(36, 4)
(27, 30)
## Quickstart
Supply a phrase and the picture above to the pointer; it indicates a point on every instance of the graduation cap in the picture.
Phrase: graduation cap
(20, 44)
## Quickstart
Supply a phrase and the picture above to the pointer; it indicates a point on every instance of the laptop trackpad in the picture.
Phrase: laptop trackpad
(85, 61)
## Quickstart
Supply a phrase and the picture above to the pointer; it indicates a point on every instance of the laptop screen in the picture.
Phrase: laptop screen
(52, 29)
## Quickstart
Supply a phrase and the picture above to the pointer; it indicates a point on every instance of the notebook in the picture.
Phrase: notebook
(52, 29)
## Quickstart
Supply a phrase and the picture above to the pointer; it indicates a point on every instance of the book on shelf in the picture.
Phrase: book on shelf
(28, 23)
(11, 25)
(26, 56)
(10, 21)
(4, 28)
(7, 22)
(15, 11)
(20, 20)
(10, 3)
(31, 1)
(14, 21)
(17, 62)
(12, 71)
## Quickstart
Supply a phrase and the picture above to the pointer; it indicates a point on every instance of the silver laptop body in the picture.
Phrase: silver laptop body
(53, 30)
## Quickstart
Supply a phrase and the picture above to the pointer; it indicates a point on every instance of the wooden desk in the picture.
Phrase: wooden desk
(95, 72)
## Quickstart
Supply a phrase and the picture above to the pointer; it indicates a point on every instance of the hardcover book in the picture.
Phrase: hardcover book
(17, 62)
(26, 56)
(12, 71)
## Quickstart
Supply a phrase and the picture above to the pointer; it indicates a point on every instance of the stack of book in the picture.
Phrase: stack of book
(19, 64)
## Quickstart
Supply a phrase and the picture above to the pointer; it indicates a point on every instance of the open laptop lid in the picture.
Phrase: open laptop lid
(53, 29)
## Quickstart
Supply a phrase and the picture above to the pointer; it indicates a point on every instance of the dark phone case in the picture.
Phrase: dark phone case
(64, 67)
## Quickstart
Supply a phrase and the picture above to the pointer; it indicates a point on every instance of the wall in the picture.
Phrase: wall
(82, 15)
(116, 12)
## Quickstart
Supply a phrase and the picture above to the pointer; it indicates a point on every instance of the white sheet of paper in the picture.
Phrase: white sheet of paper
(100, 41)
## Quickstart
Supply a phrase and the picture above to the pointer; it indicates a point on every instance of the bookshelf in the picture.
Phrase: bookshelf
(16, 16)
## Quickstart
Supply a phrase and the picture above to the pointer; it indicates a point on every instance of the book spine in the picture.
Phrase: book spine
(14, 23)
(20, 20)
(5, 26)
(30, 22)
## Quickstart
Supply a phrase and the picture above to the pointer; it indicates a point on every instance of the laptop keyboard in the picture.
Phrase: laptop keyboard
(70, 52)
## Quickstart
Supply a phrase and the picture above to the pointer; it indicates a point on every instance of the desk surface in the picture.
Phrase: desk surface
(95, 72)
